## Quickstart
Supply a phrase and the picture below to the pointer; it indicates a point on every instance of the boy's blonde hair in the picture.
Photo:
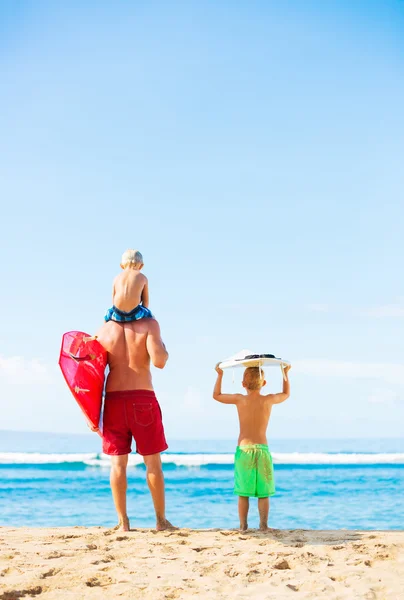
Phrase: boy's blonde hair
(132, 258)
(254, 378)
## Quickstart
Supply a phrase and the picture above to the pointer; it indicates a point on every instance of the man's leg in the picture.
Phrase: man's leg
(119, 485)
(155, 481)
(243, 506)
(263, 509)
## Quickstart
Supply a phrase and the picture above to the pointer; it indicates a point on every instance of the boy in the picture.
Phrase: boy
(253, 470)
(130, 291)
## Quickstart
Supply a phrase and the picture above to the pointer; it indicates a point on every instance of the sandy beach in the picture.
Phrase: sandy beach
(86, 563)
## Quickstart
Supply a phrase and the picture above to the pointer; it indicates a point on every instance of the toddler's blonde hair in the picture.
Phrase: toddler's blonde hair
(254, 378)
(132, 258)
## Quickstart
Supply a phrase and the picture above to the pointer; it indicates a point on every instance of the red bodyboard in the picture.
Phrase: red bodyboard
(83, 361)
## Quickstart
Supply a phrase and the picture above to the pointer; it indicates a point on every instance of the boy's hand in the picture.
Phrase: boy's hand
(218, 370)
(92, 427)
(286, 369)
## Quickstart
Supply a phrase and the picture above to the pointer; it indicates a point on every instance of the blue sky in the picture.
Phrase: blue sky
(253, 153)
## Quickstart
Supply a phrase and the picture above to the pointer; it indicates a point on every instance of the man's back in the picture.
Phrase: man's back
(130, 347)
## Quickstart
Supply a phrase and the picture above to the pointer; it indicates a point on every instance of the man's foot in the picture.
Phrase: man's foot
(164, 525)
(264, 527)
(123, 525)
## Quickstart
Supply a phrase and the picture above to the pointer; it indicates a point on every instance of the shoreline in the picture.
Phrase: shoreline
(96, 562)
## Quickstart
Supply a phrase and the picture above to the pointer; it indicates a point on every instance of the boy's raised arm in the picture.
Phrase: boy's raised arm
(217, 391)
(284, 395)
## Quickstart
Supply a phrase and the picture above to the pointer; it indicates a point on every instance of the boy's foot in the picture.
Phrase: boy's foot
(264, 527)
(164, 525)
(123, 525)
(243, 526)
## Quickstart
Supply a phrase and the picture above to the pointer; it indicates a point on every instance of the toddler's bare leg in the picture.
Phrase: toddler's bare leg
(263, 509)
(243, 506)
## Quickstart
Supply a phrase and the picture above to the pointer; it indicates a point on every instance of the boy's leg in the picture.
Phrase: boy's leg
(263, 509)
(243, 506)
(118, 486)
(155, 481)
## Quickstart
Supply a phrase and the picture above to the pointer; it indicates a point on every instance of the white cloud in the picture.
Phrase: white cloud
(378, 312)
(323, 308)
(383, 396)
(22, 371)
(391, 373)
(387, 310)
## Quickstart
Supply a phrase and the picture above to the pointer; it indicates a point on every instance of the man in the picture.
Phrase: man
(131, 409)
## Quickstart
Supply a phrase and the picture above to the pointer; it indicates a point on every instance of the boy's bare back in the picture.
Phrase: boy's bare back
(130, 288)
(254, 409)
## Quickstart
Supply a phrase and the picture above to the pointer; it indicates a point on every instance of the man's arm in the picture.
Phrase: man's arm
(145, 295)
(284, 395)
(155, 346)
(217, 391)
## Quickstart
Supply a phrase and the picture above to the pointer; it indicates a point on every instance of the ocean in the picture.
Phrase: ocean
(63, 480)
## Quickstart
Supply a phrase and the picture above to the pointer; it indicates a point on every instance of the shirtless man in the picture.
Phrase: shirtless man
(131, 409)
(253, 470)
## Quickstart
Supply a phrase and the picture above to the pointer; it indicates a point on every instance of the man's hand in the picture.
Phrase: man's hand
(92, 427)
(218, 370)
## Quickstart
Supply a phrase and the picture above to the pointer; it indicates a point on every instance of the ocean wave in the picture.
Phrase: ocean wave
(200, 460)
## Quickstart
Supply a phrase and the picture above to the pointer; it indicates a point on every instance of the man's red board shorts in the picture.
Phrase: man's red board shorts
(132, 413)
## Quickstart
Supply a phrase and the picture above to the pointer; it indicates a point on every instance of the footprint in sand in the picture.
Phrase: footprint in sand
(252, 575)
(98, 581)
(210, 568)
(49, 573)
(105, 560)
(55, 554)
(282, 565)
(231, 572)
(17, 594)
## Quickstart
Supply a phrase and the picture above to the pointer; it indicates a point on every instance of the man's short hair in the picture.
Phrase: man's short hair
(253, 378)
(131, 257)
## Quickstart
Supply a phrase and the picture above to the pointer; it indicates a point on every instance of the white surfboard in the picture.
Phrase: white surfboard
(247, 358)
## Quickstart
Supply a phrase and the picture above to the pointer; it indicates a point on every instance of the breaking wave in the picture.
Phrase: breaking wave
(198, 460)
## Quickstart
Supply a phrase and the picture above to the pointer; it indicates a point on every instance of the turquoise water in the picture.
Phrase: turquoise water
(52, 480)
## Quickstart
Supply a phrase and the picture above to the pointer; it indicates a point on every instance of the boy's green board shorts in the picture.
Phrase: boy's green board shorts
(253, 471)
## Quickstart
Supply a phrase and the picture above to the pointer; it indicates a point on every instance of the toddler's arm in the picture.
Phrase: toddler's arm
(284, 395)
(217, 392)
(145, 295)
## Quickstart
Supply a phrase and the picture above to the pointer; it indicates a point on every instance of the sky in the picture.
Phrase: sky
(253, 153)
